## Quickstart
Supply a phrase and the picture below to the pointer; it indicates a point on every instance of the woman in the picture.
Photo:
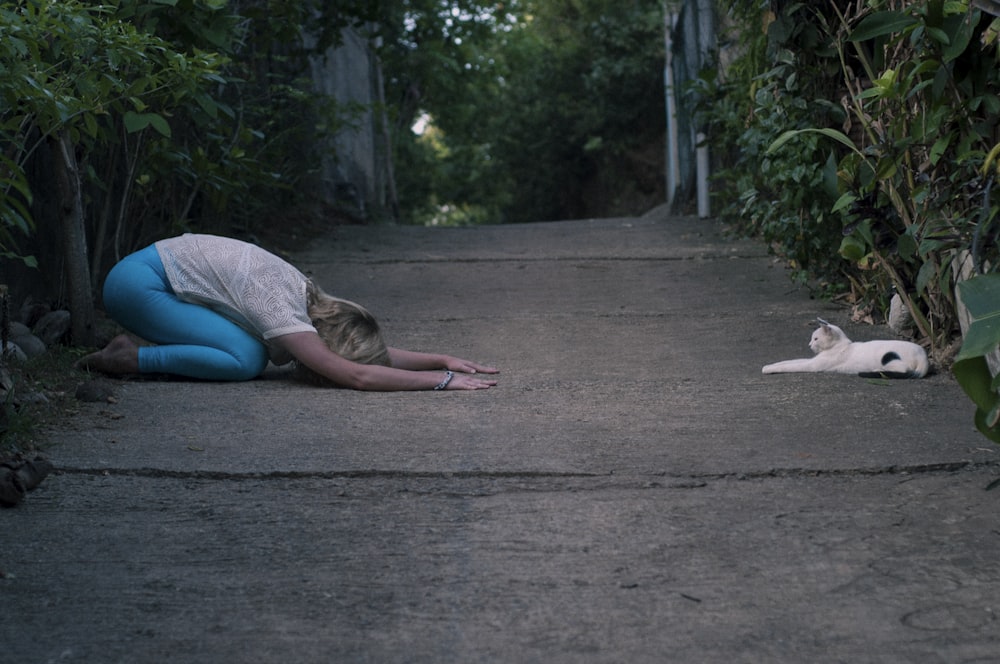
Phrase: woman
(219, 309)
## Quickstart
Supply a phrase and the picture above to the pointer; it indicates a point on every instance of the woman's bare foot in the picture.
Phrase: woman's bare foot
(120, 356)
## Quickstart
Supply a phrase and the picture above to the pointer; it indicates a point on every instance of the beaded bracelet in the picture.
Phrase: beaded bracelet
(447, 379)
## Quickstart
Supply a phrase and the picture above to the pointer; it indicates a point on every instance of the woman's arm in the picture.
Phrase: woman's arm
(309, 349)
(414, 361)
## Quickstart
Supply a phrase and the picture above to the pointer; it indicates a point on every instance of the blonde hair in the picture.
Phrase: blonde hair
(347, 329)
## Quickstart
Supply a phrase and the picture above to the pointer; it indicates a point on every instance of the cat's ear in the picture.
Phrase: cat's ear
(822, 322)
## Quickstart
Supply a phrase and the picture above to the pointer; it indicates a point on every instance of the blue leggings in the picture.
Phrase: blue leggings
(194, 341)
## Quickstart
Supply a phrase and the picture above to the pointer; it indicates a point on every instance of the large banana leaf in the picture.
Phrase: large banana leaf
(981, 297)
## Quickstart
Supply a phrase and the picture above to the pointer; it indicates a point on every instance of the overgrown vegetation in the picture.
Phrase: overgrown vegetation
(784, 78)
(37, 393)
(538, 110)
(194, 113)
(875, 127)
(178, 112)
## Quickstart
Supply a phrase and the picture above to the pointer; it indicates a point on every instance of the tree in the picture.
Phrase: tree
(534, 104)
(75, 75)
(156, 117)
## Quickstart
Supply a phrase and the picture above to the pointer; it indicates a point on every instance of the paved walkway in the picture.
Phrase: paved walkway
(635, 490)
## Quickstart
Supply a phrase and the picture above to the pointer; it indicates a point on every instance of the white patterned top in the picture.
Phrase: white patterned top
(252, 287)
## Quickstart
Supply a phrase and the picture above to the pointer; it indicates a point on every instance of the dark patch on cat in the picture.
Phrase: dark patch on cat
(889, 357)
(886, 359)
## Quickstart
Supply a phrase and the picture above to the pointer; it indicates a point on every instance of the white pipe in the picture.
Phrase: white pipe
(702, 166)
(673, 153)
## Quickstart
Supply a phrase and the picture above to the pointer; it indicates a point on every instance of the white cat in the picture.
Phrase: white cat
(835, 353)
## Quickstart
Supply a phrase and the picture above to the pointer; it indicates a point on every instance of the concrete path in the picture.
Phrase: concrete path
(635, 490)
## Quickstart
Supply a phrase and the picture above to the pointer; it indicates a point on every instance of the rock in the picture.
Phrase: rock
(18, 476)
(11, 490)
(52, 327)
(30, 398)
(27, 342)
(96, 390)
(18, 330)
(900, 321)
(13, 352)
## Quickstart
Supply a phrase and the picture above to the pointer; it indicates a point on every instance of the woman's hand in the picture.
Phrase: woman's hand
(469, 381)
(468, 367)
(414, 361)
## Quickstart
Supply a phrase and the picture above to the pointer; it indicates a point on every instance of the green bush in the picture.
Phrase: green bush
(785, 79)
(913, 184)
(181, 112)
(900, 187)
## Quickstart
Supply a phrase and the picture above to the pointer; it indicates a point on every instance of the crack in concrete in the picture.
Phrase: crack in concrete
(544, 259)
(695, 479)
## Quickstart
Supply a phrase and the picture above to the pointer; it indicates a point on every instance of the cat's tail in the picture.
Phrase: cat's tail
(923, 365)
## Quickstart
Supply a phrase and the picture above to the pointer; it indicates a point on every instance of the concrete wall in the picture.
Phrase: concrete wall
(355, 172)
(690, 41)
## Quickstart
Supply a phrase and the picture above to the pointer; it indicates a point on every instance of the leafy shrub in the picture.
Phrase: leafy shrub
(915, 161)
(784, 79)
(913, 183)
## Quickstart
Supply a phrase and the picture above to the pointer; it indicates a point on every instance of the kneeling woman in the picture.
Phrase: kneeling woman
(219, 309)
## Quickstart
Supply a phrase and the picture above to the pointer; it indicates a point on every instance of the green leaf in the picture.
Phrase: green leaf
(961, 29)
(991, 33)
(886, 169)
(941, 78)
(871, 93)
(852, 248)
(135, 122)
(880, 24)
(983, 424)
(839, 136)
(940, 145)
(207, 104)
(974, 377)
(956, 7)
(981, 296)
(907, 247)
(939, 35)
(993, 417)
(924, 276)
(830, 183)
(16, 178)
(90, 122)
(845, 201)
(994, 155)
(160, 124)
(29, 261)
